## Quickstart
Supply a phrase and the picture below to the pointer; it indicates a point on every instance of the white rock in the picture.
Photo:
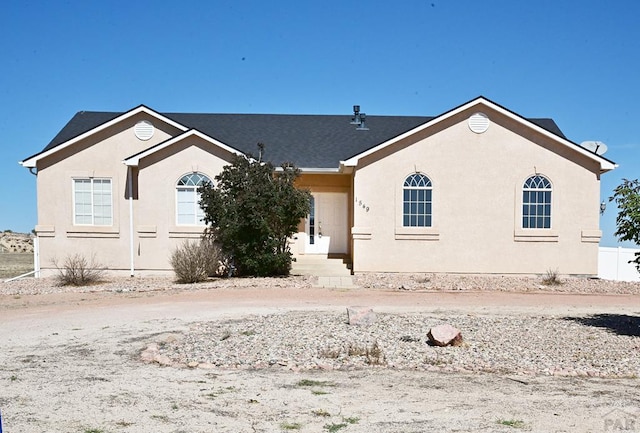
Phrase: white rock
(445, 335)
(360, 316)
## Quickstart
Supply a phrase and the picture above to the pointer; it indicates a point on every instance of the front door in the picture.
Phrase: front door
(326, 226)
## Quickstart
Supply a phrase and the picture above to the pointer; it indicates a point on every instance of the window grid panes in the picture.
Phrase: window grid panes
(92, 202)
(188, 207)
(536, 203)
(417, 201)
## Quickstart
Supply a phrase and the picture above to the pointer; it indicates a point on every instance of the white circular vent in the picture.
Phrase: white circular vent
(479, 123)
(144, 130)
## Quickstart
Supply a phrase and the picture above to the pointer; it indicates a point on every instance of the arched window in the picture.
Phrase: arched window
(416, 201)
(536, 203)
(188, 210)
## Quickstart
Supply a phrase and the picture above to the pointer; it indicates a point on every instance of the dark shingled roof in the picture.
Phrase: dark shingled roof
(312, 141)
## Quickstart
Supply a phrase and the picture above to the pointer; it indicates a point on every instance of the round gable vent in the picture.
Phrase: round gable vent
(144, 130)
(479, 123)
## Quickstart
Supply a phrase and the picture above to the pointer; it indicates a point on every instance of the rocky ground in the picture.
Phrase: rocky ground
(383, 282)
(270, 355)
(603, 345)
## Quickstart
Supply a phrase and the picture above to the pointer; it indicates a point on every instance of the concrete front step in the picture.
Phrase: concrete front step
(342, 282)
(321, 271)
(319, 266)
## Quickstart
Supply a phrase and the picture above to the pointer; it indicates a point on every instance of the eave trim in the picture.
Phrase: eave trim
(32, 161)
(605, 164)
(134, 160)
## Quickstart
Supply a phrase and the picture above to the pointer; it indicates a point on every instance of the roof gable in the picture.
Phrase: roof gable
(134, 160)
(546, 127)
(85, 124)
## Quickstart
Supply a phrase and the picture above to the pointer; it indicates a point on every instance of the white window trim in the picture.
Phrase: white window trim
(521, 203)
(521, 234)
(402, 190)
(415, 233)
(73, 201)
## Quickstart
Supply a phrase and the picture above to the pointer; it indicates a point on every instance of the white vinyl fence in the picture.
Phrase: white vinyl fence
(613, 264)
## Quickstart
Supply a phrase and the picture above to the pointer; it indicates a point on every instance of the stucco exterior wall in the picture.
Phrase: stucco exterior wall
(477, 200)
(477, 203)
(100, 156)
(155, 216)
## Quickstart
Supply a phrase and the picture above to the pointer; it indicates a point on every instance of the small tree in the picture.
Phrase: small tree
(627, 198)
(252, 211)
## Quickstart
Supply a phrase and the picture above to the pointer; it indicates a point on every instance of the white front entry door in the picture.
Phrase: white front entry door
(326, 226)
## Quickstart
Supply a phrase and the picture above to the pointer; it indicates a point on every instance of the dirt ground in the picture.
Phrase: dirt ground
(69, 362)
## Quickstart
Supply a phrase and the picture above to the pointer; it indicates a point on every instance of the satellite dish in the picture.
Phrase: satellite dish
(597, 147)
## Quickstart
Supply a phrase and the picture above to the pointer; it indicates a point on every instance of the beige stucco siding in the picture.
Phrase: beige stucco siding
(477, 181)
(155, 216)
(98, 156)
(477, 192)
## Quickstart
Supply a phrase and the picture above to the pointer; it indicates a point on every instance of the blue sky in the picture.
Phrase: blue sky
(578, 63)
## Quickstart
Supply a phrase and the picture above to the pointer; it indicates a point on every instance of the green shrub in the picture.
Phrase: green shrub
(252, 210)
(194, 262)
(76, 270)
(627, 199)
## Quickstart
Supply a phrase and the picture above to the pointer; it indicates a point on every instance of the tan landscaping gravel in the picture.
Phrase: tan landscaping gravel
(447, 282)
(263, 355)
(35, 286)
(527, 344)
(376, 281)
(523, 344)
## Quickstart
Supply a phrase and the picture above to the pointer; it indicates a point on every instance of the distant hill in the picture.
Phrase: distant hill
(16, 242)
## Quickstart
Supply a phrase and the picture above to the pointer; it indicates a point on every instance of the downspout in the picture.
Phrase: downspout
(36, 247)
(36, 256)
(130, 189)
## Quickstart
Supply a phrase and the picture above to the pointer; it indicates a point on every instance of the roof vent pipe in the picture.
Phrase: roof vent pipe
(362, 126)
(355, 120)
(359, 119)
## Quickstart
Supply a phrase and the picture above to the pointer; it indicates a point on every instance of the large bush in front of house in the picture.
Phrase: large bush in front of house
(251, 211)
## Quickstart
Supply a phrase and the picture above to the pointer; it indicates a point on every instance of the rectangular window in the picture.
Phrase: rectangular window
(187, 197)
(416, 208)
(312, 221)
(188, 206)
(536, 210)
(188, 210)
(92, 202)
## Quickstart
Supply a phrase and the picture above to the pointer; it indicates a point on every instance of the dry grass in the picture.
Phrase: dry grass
(14, 264)
(551, 278)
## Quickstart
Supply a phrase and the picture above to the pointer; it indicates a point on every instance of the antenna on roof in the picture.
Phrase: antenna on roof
(597, 147)
(359, 119)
